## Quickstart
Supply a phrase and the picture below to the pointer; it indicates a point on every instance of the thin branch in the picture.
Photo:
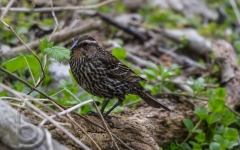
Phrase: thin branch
(29, 10)
(235, 8)
(56, 21)
(48, 140)
(105, 125)
(67, 111)
(130, 30)
(7, 9)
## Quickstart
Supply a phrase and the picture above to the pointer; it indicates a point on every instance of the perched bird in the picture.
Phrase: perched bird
(100, 73)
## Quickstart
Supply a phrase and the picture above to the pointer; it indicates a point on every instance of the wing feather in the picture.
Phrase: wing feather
(116, 69)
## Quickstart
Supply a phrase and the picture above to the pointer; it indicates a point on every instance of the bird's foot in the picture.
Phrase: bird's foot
(92, 113)
(106, 117)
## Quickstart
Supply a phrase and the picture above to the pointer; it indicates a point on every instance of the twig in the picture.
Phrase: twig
(67, 111)
(139, 61)
(55, 19)
(16, 99)
(234, 6)
(7, 9)
(40, 63)
(137, 34)
(48, 140)
(105, 125)
(28, 10)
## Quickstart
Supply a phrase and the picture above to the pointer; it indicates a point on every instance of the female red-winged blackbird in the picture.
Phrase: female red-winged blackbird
(98, 72)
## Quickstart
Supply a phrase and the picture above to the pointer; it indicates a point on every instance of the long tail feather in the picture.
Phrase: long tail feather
(151, 101)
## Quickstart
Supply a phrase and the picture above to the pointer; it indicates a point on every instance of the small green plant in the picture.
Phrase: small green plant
(161, 76)
(218, 135)
(197, 86)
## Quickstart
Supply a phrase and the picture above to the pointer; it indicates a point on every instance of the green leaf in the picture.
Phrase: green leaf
(33, 63)
(185, 146)
(232, 144)
(45, 44)
(231, 134)
(150, 72)
(58, 53)
(221, 92)
(218, 138)
(119, 53)
(73, 95)
(198, 131)
(224, 143)
(174, 146)
(237, 45)
(188, 123)
(200, 138)
(214, 117)
(228, 118)
(15, 64)
(215, 146)
(195, 145)
(201, 112)
(198, 84)
(217, 105)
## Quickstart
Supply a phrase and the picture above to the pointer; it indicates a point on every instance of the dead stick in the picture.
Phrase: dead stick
(137, 34)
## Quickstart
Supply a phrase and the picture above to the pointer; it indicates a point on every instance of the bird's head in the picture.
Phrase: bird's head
(83, 46)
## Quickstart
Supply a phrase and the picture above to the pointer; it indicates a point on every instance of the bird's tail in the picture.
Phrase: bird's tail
(151, 101)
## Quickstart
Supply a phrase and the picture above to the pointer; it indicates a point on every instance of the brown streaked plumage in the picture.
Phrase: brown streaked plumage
(101, 74)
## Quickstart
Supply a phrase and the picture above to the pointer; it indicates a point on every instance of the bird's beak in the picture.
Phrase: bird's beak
(73, 46)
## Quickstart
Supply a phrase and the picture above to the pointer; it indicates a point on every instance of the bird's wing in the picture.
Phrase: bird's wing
(116, 69)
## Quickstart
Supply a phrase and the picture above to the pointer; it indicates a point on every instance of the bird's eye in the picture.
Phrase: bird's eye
(85, 44)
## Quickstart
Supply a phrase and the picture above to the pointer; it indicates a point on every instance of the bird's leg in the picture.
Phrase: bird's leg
(105, 102)
(120, 100)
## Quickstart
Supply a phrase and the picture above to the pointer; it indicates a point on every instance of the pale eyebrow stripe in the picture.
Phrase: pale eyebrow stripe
(88, 41)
